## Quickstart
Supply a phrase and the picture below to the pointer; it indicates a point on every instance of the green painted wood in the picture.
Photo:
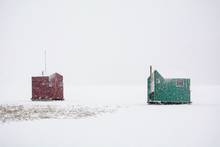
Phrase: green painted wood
(168, 90)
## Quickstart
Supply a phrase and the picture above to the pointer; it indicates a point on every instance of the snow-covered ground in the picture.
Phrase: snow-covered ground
(117, 116)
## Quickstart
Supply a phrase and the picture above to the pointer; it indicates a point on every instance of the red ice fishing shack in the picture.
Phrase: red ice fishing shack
(47, 87)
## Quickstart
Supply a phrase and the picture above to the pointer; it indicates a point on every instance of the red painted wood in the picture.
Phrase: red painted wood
(47, 87)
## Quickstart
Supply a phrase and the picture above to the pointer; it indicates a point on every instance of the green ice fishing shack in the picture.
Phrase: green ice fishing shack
(167, 91)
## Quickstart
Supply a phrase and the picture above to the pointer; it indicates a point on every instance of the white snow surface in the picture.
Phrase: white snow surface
(131, 122)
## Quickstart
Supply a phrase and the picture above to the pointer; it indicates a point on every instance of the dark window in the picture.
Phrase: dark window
(179, 83)
(158, 81)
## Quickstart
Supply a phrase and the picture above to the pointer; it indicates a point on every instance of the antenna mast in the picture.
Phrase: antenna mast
(45, 61)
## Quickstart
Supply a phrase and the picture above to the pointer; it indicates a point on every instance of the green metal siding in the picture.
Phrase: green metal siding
(168, 91)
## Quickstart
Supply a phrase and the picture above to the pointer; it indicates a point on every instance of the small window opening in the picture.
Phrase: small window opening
(158, 81)
(179, 83)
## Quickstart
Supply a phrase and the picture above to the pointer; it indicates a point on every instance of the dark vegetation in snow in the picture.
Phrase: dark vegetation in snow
(10, 113)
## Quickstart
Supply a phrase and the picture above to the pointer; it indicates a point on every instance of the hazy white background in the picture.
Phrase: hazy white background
(103, 48)
(108, 41)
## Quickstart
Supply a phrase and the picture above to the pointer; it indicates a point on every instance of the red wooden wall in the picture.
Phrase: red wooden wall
(47, 87)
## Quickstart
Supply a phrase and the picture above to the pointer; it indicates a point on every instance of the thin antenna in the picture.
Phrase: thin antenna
(45, 61)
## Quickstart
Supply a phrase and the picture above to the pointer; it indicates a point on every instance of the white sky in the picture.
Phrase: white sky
(109, 41)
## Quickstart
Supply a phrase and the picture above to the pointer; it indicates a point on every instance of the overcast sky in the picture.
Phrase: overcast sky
(109, 41)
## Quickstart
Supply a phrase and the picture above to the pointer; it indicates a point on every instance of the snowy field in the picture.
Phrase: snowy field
(111, 116)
